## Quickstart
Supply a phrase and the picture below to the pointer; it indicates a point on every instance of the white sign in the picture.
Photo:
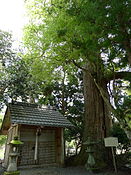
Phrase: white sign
(111, 141)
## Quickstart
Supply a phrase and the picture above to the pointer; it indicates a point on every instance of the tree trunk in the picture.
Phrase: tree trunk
(97, 117)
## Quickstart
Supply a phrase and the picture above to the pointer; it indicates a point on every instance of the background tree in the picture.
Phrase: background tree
(14, 73)
(6, 56)
(18, 84)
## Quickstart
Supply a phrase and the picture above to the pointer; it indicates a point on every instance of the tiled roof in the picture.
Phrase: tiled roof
(31, 114)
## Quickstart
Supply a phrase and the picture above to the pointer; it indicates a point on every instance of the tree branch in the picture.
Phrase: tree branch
(77, 65)
(120, 75)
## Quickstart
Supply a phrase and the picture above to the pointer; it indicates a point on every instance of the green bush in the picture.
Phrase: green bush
(124, 143)
(119, 132)
(2, 139)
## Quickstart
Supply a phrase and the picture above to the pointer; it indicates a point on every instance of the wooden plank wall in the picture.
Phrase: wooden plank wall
(46, 146)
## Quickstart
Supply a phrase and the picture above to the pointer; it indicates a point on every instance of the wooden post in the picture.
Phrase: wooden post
(62, 146)
(112, 142)
(114, 161)
(59, 147)
(36, 147)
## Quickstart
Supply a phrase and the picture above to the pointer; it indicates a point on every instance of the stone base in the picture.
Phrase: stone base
(12, 173)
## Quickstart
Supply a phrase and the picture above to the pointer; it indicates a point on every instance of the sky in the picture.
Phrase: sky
(12, 17)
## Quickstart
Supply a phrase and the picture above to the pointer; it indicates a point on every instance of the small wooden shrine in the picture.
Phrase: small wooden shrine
(41, 131)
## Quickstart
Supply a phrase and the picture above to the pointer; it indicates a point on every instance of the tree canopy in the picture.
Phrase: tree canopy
(67, 33)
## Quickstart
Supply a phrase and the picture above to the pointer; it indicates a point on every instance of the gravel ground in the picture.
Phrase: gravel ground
(68, 171)
(64, 171)
(55, 171)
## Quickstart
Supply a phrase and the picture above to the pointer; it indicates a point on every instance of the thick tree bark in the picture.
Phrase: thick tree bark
(97, 120)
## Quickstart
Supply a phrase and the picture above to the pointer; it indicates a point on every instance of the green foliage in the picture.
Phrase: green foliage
(123, 112)
(6, 53)
(6, 56)
(20, 84)
(62, 31)
(1, 117)
(118, 132)
(124, 145)
(15, 77)
(2, 140)
(2, 137)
